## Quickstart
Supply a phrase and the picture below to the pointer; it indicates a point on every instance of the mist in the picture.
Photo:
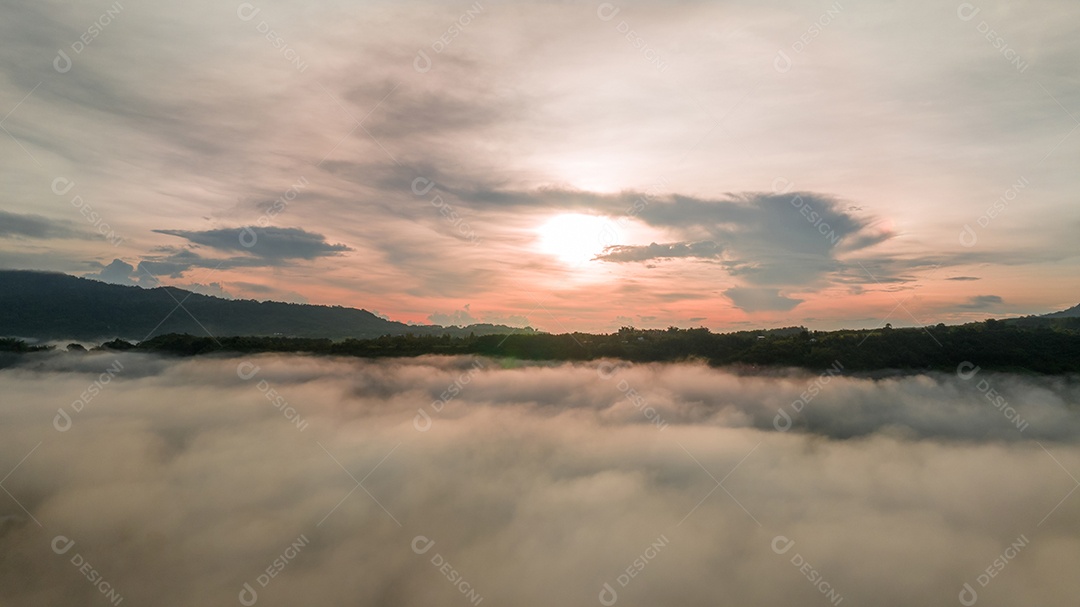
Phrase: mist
(283, 480)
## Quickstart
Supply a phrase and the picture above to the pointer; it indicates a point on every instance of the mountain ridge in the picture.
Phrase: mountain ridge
(54, 305)
(1072, 312)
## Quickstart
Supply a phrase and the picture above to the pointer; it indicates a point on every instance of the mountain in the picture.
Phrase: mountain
(1072, 312)
(48, 305)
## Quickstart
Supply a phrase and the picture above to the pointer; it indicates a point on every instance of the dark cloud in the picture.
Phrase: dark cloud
(174, 263)
(870, 269)
(759, 299)
(270, 243)
(214, 289)
(34, 226)
(264, 292)
(117, 272)
(979, 302)
(772, 239)
(459, 318)
(170, 262)
(963, 278)
(777, 240)
(697, 250)
(465, 317)
(170, 269)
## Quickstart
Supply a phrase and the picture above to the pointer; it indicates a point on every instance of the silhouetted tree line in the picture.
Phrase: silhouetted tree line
(1047, 346)
(10, 344)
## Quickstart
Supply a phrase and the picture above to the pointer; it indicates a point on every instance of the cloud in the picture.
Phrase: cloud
(415, 112)
(173, 262)
(34, 226)
(766, 239)
(460, 317)
(512, 127)
(755, 299)
(169, 267)
(214, 289)
(265, 292)
(180, 482)
(118, 272)
(149, 271)
(979, 302)
(963, 278)
(510, 320)
(624, 254)
(270, 243)
(465, 317)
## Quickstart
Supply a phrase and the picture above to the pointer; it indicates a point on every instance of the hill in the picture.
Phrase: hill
(1072, 312)
(47, 305)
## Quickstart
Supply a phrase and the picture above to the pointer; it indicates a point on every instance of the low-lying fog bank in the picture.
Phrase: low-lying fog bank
(286, 480)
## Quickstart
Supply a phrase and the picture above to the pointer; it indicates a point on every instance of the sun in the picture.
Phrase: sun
(575, 238)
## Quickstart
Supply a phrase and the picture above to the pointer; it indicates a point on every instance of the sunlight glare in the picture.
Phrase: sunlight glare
(575, 238)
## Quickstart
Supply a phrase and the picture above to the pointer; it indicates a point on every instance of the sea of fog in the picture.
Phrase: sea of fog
(131, 479)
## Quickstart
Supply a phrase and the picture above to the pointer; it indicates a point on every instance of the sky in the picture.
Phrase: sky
(563, 165)
(181, 481)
